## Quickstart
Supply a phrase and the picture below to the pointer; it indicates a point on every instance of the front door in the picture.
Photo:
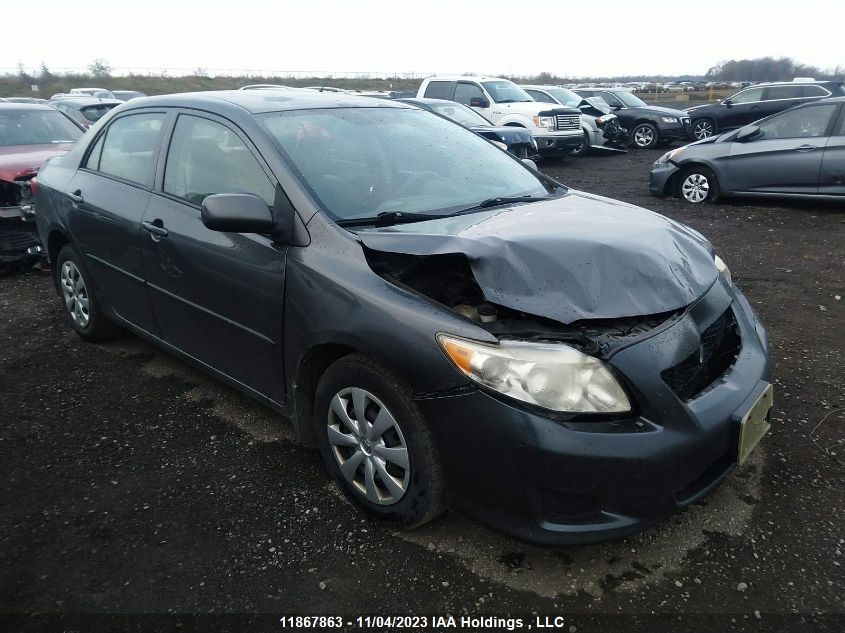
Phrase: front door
(109, 194)
(786, 157)
(745, 107)
(832, 175)
(217, 297)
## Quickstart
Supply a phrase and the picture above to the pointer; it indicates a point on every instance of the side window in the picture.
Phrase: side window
(206, 157)
(93, 161)
(814, 91)
(129, 149)
(439, 90)
(841, 130)
(466, 91)
(783, 92)
(748, 96)
(539, 95)
(800, 123)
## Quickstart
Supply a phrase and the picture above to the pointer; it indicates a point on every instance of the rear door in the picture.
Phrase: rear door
(109, 194)
(832, 175)
(786, 157)
(217, 297)
(779, 98)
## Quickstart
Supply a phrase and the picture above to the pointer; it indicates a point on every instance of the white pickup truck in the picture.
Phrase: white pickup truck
(557, 129)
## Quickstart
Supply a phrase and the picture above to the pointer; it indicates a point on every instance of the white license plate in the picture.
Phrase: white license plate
(754, 425)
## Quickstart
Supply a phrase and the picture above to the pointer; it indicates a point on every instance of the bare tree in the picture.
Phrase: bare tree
(100, 68)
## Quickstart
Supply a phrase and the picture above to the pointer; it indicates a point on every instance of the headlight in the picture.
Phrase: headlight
(669, 119)
(547, 122)
(550, 375)
(500, 145)
(604, 119)
(670, 155)
(723, 269)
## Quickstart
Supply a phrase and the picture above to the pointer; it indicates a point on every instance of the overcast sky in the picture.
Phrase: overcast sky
(599, 37)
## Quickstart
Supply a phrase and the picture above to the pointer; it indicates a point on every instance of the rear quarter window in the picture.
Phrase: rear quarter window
(440, 90)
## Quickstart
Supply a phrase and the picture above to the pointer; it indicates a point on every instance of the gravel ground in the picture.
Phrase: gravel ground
(132, 484)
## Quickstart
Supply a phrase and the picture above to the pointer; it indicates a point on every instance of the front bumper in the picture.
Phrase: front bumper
(557, 143)
(555, 482)
(674, 131)
(660, 178)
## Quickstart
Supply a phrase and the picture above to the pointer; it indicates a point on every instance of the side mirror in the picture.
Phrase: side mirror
(727, 102)
(529, 163)
(479, 102)
(747, 133)
(237, 213)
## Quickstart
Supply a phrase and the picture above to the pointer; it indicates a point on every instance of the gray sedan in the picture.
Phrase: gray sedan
(796, 153)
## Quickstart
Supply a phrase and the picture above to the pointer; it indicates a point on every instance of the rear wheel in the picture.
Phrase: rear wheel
(703, 128)
(644, 136)
(698, 184)
(376, 444)
(80, 305)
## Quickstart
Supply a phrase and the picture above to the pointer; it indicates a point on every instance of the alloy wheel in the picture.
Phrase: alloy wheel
(369, 446)
(643, 136)
(695, 188)
(75, 294)
(703, 129)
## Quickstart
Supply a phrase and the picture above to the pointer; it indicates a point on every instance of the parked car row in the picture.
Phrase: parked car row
(423, 306)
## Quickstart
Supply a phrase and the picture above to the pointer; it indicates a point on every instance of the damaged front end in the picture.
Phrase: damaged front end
(448, 279)
(20, 247)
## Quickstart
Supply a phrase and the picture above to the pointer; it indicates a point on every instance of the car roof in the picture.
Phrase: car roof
(466, 78)
(87, 101)
(11, 105)
(427, 101)
(767, 84)
(262, 101)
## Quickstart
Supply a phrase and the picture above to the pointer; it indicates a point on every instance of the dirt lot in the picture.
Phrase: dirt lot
(130, 483)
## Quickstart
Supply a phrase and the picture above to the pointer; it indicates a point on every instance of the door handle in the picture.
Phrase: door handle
(154, 228)
(806, 148)
(76, 197)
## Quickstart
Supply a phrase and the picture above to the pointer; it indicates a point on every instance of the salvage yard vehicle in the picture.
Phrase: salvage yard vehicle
(756, 102)
(84, 110)
(126, 95)
(601, 127)
(447, 324)
(557, 129)
(29, 135)
(649, 125)
(797, 153)
(516, 140)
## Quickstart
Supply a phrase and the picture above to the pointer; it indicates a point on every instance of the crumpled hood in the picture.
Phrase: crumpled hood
(576, 257)
(21, 160)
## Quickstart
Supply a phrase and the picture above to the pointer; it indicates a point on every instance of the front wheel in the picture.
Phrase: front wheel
(703, 128)
(584, 148)
(644, 136)
(376, 444)
(698, 184)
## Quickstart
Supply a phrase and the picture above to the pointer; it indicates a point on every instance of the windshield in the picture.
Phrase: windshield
(506, 91)
(460, 114)
(96, 112)
(629, 99)
(359, 162)
(36, 127)
(566, 97)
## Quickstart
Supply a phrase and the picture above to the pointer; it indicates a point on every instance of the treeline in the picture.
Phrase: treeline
(769, 69)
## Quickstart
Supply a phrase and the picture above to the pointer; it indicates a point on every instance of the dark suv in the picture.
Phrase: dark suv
(756, 102)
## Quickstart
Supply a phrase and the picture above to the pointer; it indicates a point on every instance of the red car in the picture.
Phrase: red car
(29, 135)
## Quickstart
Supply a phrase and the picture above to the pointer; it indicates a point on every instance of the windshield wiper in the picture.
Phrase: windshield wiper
(498, 201)
(389, 218)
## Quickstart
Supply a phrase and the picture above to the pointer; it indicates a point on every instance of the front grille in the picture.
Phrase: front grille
(568, 122)
(719, 347)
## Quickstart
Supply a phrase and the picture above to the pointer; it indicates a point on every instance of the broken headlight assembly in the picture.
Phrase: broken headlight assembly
(553, 376)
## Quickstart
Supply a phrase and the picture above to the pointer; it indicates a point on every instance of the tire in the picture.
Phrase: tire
(405, 490)
(697, 184)
(79, 301)
(584, 148)
(703, 128)
(644, 136)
